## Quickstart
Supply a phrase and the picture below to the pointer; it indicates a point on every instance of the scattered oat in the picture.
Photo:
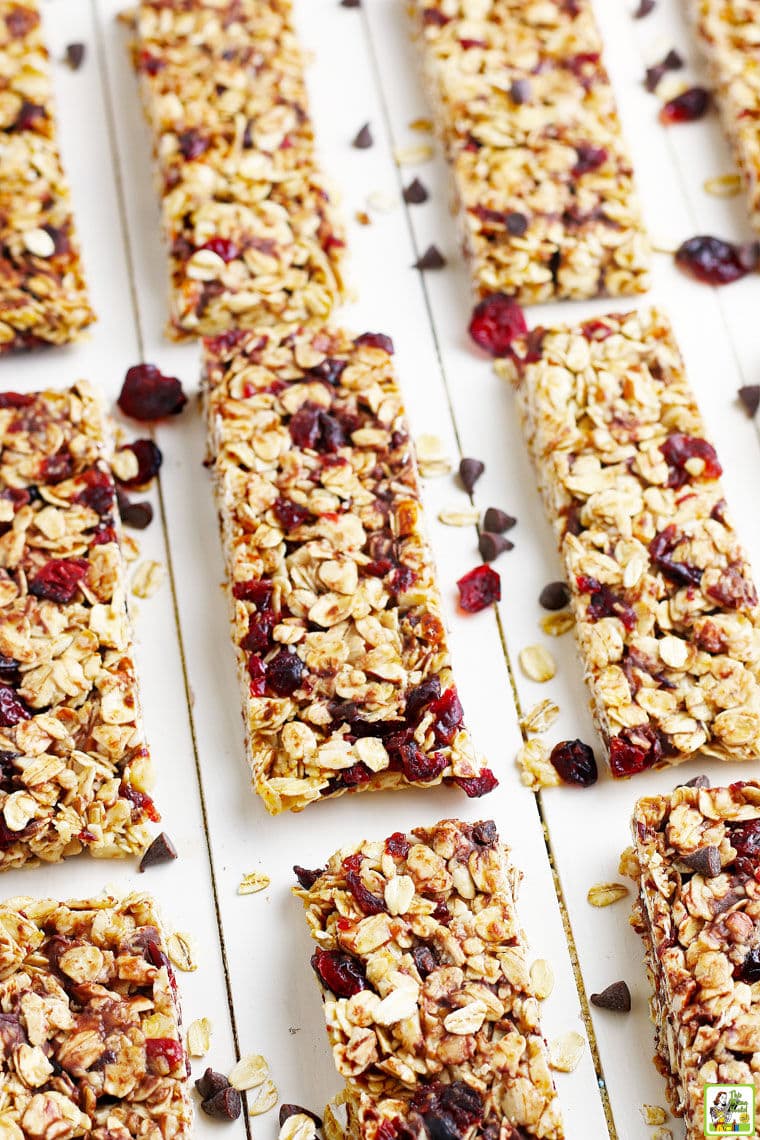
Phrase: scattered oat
(381, 201)
(536, 771)
(363, 218)
(253, 882)
(130, 548)
(148, 578)
(459, 516)
(555, 625)
(566, 1051)
(423, 125)
(653, 1114)
(250, 1072)
(262, 1098)
(199, 1037)
(180, 951)
(605, 894)
(542, 978)
(537, 663)
(629, 864)
(723, 186)
(411, 155)
(540, 717)
(662, 1134)
(431, 458)
(298, 1127)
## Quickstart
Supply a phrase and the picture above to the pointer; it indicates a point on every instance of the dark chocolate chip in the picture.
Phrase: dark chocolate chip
(644, 8)
(750, 398)
(210, 1084)
(705, 861)
(697, 782)
(224, 1105)
(432, 258)
(350, 3)
(671, 62)
(492, 545)
(470, 471)
(161, 850)
(363, 139)
(520, 90)
(555, 596)
(516, 223)
(616, 997)
(288, 1110)
(718, 906)
(307, 878)
(415, 193)
(485, 833)
(75, 54)
(138, 516)
(497, 521)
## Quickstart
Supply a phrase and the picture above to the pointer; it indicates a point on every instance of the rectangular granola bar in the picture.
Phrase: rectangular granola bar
(336, 615)
(666, 611)
(427, 998)
(727, 32)
(90, 1025)
(698, 914)
(247, 217)
(43, 297)
(541, 172)
(74, 766)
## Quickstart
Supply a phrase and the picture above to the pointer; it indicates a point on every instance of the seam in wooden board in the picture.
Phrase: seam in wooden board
(117, 172)
(565, 917)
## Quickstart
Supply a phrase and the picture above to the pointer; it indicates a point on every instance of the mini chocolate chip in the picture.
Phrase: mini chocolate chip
(697, 782)
(485, 832)
(520, 90)
(750, 398)
(492, 545)
(671, 62)
(350, 3)
(644, 8)
(470, 471)
(307, 878)
(161, 850)
(705, 861)
(516, 223)
(75, 55)
(211, 1083)
(363, 139)
(497, 521)
(616, 997)
(138, 516)
(415, 193)
(288, 1110)
(555, 596)
(432, 258)
(718, 906)
(224, 1105)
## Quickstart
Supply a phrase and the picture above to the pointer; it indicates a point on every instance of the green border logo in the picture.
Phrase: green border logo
(729, 1110)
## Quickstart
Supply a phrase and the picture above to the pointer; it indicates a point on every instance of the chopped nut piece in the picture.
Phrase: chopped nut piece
(540, 717)
(199, 1037)
(253, 882)
(605, 894)
(535, 769)
(180, 951)
(629, 864)
(542, 978)
(250, 1072)
(148, 579)
(653, 1114)
(537, 663)
(565, 1052)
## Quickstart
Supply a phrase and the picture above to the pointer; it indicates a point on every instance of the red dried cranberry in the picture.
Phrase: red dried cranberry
(420, 697)
(141, 800)
(745, 839)
(448, 1110)
(376, 340)
(733, 590)
(341, 973)
(315, 429)
(192, 144)
(433, 17)
(29, 115)
(149, 460)
(633, 750)
(357, 774)
(604, 602)
(478, 589)
(59, 579)
(330, 370)
(496, 321)
(367, 902)
(260, 626)
(749, 971)
(56, 468)
(147, 394)
(476, 786)
(285, 673)
(289, 514)
(257, 671)
(15, 400)
(12, 708)
(254, 590)
(21, 21)
(588, 158)
(690, 105)
(307, 878)
(98, 492)
(575, 763)
(397, 845)
(222, 247)
(150, 64)
(448, 714)
(166, 1051)
(717, 262)
(425, 960)
(661, 547)
(679, 448)
(419, 767)
(102, 534)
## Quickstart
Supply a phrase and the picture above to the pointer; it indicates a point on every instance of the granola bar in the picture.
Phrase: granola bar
(43, 297)
(666, 611)
(727, 32)
(698, 913)
(541, 173)
(74, 766)
(247, 217)
(90, 1026)
(428, 1003)
(336, 615)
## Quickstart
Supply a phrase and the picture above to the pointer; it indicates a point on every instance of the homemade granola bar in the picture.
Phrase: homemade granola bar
(541, 173)
(698, 913)
(74, 766)
(342, 654)
(247, 216)
(43, 299)
(666, 612)
(90, 1027)
(727, 32)
(427, 997)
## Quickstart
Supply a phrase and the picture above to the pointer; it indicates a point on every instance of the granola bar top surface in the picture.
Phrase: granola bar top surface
(342, 653)
(541, 171)
(74, 765)
(43, 296)
(252, 234)
(699, 914)
(727, 32)
(427, 999)
(666, 610)
(90, 1039)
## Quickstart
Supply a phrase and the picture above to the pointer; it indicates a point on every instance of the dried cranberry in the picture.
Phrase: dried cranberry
(289, 514)
(313, 428)
(478, 589)
(733, 590)
(745, 839)
(15, 400)
(434, 17)
(397, 845)
(717, 262)
(679, 448)
(357, 774)
(149, 460)
(98, 492)
(420, 697)
(21, 21)
(254, 590)
(257, 671)
(690, 105)
(102, 534)
(285, 673)
(59, 579)
(633, 750)
(425, 960)
(29, 115)
(367, 902)
(749, 971)
(604, 602)
(222, 247)
(661, 547)
(376, 340)
(147, 394)
(588, 158)
(12, 708)
(141, 800)
(476, 786)
(258, 637)
(166, 1051)
(496, 321)
(484, 833)
(192, 144)
(420, 767)
(56, 468)
(341, 973)
(307, 878)
(575, 763)
(448, 715)
(330, 370)
(448, 1110)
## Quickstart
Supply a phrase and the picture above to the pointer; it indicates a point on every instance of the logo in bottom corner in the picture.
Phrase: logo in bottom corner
(729, 1110)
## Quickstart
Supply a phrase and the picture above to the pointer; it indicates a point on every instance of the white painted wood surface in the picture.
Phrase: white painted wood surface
(254, 981)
